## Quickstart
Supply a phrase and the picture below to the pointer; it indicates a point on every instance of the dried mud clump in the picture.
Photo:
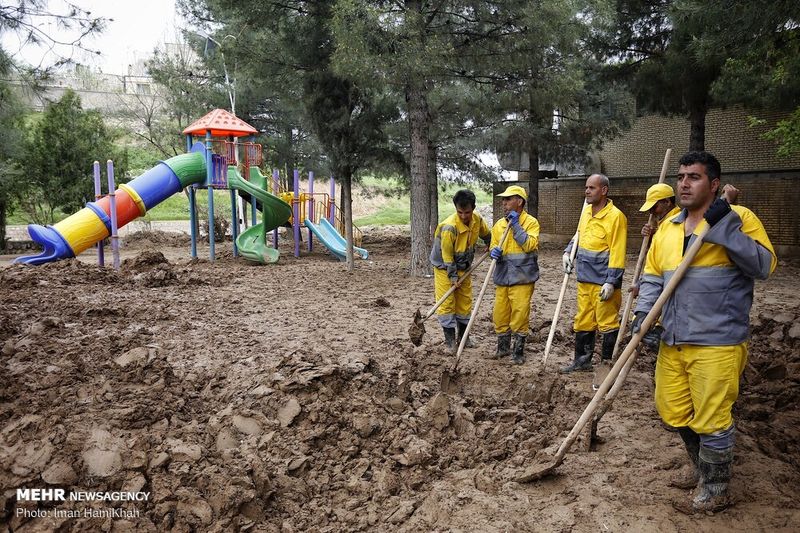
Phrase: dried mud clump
(150, 269)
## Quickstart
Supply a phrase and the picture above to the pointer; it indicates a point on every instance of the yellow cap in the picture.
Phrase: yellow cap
(514, 190)
(659, 191)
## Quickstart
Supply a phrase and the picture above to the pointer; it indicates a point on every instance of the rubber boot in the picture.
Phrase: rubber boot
(461, 329)
(715, 475)
(503, 345)
(518, 353)
(584, 346)
(688, 477)
(609, 340)
(450, 338)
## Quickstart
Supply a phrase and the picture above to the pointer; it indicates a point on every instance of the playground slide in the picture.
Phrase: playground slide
(92, 224)
(332, 240)
(252, 243)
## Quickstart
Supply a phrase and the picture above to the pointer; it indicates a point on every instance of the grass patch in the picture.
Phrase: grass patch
(393, 204)
(397, 210)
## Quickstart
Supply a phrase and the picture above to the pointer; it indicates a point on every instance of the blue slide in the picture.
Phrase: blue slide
(334, 242)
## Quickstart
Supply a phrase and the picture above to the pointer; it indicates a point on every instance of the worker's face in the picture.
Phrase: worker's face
(594, 192)
(661, 208)
(465, 214)
(512, 203)
(695, 190)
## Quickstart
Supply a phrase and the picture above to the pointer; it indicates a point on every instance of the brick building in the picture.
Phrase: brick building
(769, 184)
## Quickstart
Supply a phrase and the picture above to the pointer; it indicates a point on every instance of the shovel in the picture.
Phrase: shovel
(449, 375)
(605, 405)
(416, 331)
(545, 468)
(572, 254)
(637, 272)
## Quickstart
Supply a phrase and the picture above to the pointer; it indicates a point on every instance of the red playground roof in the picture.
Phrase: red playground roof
(222, 124)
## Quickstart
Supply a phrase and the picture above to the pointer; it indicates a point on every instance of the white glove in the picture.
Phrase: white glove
(567, 263)
(606, 291)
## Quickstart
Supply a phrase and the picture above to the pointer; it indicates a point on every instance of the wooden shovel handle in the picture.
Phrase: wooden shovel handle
(637, 272)
(452, 289)
(572, 254)
(478, 302)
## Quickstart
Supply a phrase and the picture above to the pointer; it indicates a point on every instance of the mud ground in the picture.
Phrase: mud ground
(288, 397)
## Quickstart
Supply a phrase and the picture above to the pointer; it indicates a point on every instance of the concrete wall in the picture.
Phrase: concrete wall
(773, 196)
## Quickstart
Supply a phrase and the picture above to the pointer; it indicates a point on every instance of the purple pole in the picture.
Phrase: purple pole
(192, 206)
(209, 184)
(101, 260)
(113, 203)
(310, 205)
(332, 204)
(276, 184)
(296, 213)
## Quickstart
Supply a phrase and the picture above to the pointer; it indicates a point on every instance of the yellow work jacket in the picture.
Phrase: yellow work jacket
(454, 243)
(601, 246)
(520, 261)
(711, 304)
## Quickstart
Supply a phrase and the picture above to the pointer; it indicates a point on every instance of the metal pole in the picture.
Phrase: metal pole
(192, 206)
(209, 185)
(276, 183)
(310, 204)
(193, 218)
(332, 203)
(113, 203)
(235, 201)
(101, 260)
(296, 213)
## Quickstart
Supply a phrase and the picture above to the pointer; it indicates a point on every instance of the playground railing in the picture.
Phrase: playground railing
(330, 210)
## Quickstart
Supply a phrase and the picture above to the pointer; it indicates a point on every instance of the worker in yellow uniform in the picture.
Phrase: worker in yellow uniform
(659, 202)
(453, 252)
(706, 321)
(515, 274)
(600, 260)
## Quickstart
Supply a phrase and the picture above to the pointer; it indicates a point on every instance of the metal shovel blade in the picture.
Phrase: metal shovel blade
(537, 471)
(416, 331)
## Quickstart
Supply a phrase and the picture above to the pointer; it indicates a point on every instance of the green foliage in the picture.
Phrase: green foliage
(786, 133)
(59, 158)
(761, 68)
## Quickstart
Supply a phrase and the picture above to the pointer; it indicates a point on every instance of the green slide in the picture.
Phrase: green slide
(252, 243)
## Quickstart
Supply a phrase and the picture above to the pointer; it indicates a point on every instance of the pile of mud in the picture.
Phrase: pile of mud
(319, 442)
(156, 238)
(769, 405)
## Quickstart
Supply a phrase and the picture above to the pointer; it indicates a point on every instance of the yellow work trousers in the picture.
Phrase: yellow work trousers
(697, 385)
(594, 315)
(512, 308)
(458, 305)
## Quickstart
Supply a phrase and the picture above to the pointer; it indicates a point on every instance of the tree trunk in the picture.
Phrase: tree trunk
(347, 212)
(433, 188)
(420, 192)
(697, 132)
(2, 224)
(532, 204)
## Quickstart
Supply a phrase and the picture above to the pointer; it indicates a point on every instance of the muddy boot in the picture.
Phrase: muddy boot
(450, 338)
(602, 370)
(715, 475)
(584, 346)
(503, 345)
(461, 329)
(609, 340)
(689, 476)
(518, 353)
